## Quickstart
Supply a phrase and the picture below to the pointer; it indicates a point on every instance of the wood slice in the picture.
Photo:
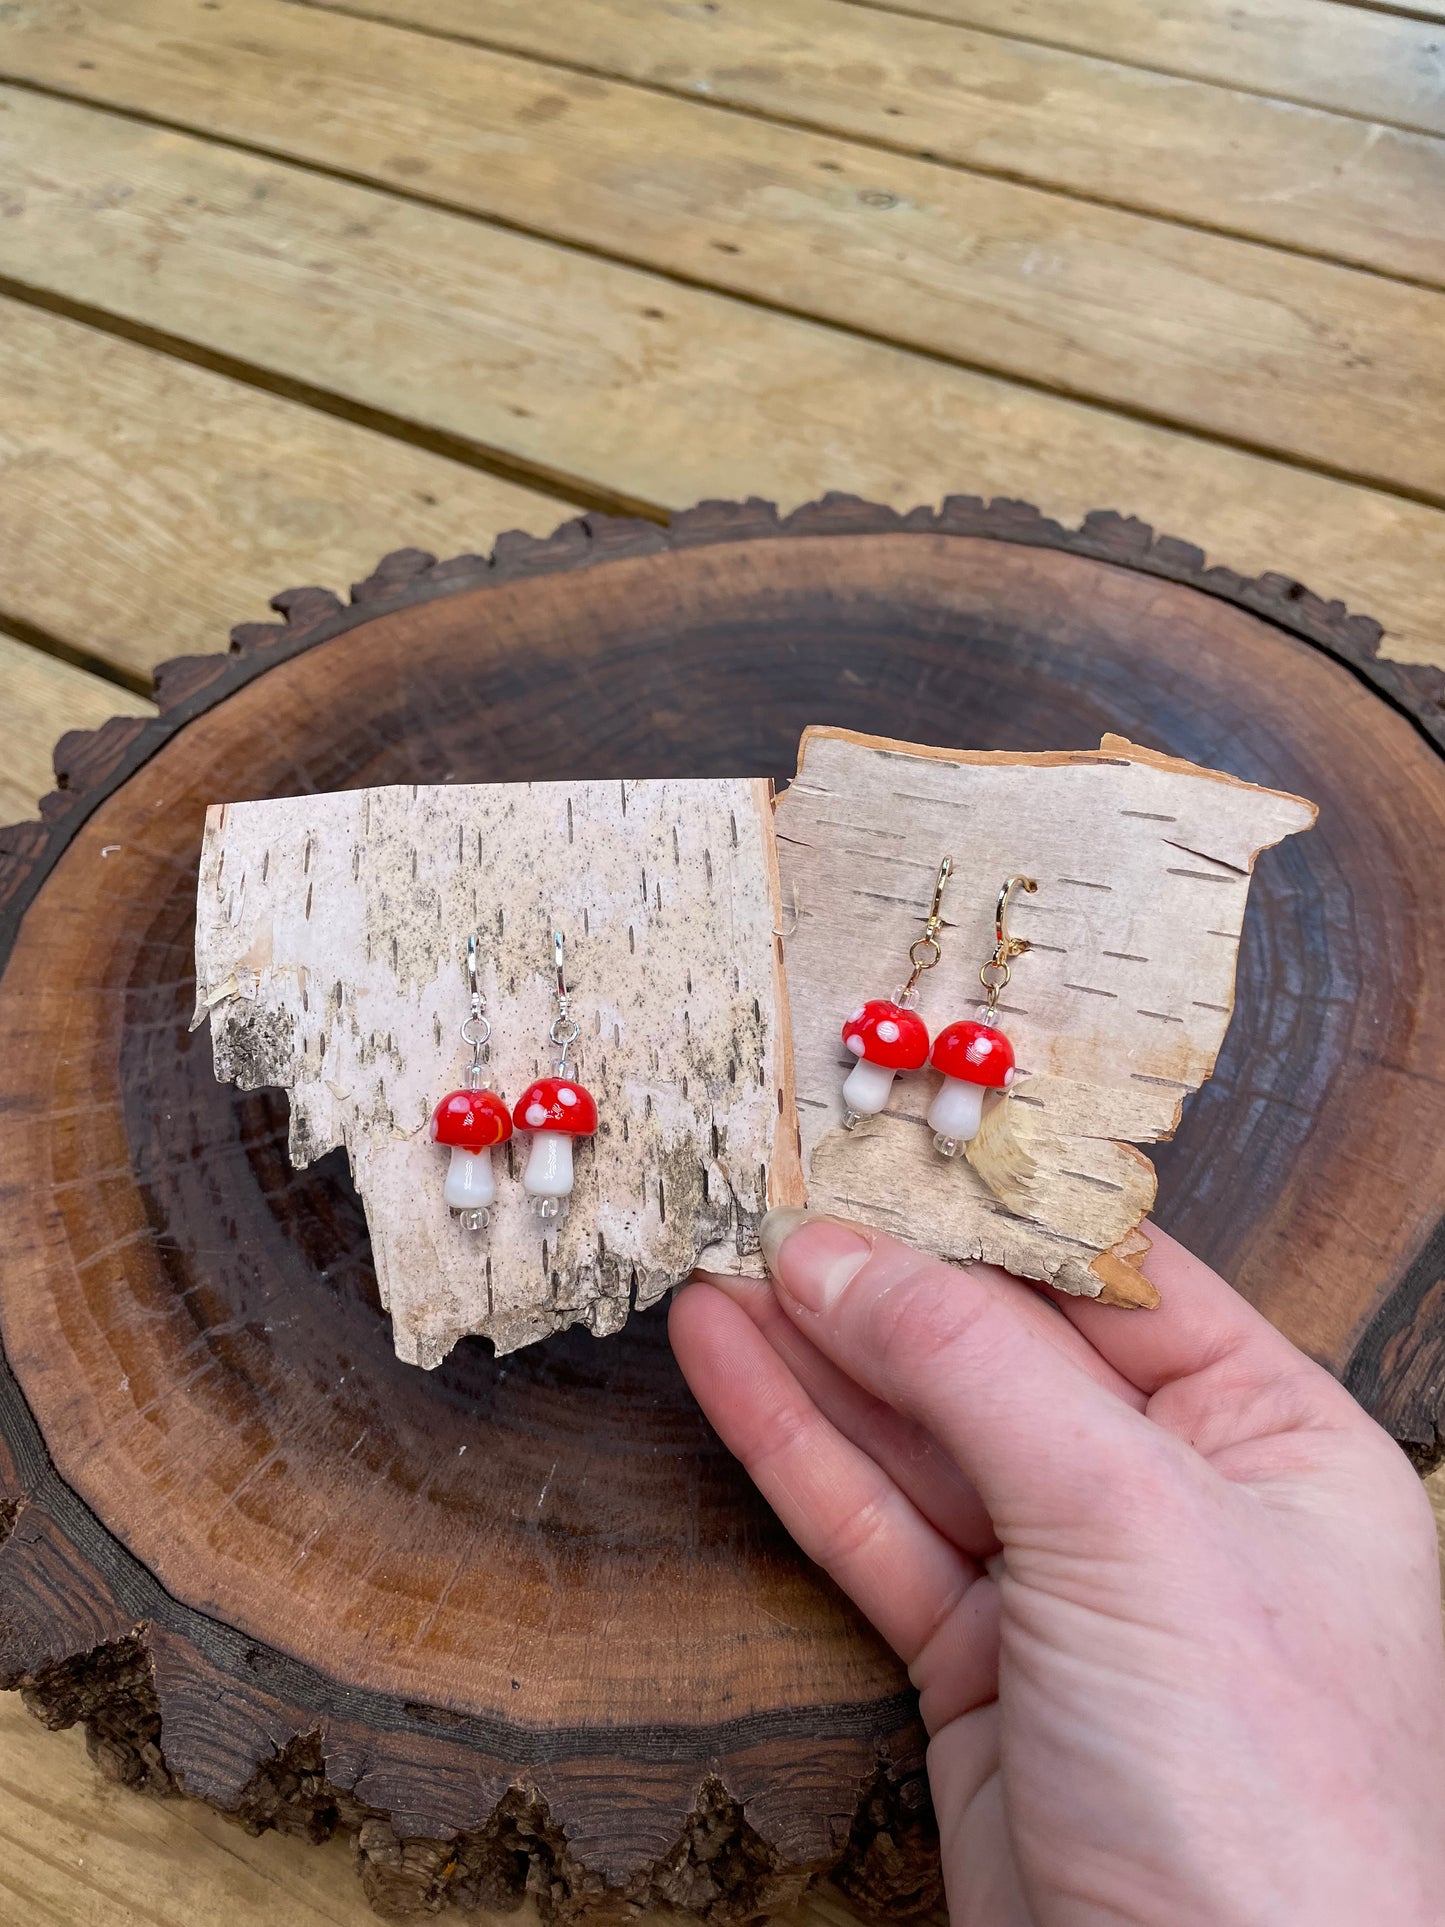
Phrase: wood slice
(522, 1622)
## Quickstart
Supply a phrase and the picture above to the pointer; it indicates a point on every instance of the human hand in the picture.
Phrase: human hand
(1170, 1598)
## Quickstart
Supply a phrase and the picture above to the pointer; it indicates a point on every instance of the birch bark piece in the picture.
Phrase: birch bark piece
(330, 939)
(1116, 1013)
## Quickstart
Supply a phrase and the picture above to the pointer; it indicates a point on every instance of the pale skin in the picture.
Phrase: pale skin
(1170, 1598)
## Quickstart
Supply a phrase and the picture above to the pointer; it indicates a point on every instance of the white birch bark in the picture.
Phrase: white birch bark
(330, 940)
(1116, 1014)
(330, 944)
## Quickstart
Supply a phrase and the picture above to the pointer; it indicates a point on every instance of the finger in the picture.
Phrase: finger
(911, 1456)
(1216, 1371)
(841, 1507)
(974, 1357)
(957, 1667)
(1198, 1318)
(981, 1876)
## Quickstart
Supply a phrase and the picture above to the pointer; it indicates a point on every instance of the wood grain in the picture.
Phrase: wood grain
(1345, 189)
(143, 501)
(83, 1851)
(577, 368)
(1381, 64)
(1215, 335)
(364, 1591)
(40, 699)
(590, 378)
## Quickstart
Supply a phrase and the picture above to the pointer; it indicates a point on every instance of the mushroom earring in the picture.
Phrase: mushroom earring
(974, 1055)
(555, 1109)
(885, 1035)
(472, 1119)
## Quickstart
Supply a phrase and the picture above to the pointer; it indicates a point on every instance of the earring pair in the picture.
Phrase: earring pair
(472, 1121)
(973, 1055)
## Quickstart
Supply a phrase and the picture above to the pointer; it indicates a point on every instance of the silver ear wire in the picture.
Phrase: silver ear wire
(476, 1025)
(565, 1029)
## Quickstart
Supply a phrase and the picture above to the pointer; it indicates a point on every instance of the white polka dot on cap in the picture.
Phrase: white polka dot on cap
(536, 1115)
(855, 1044)
(888, 1031)
(566, 1096)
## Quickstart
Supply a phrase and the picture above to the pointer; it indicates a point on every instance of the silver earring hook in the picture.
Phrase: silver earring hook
(565, 1029)
(476, 1025)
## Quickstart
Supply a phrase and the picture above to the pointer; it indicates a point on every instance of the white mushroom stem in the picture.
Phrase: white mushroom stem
(470, 1185)
(866, 1087)
(957, 1110)
(549, 1167)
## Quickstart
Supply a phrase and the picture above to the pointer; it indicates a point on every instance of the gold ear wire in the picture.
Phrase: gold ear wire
(925, 951)
(995, 972)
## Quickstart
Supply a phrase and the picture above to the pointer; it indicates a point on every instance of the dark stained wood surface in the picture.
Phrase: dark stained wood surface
(381, 1597)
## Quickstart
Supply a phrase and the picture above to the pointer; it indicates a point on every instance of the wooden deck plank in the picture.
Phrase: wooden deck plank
(1345, 189)
(145, 505)
(41, 698)
(1351, 60)
(624, 381)
(1323, 364)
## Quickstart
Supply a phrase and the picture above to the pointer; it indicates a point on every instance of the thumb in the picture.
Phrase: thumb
(1001, 1380)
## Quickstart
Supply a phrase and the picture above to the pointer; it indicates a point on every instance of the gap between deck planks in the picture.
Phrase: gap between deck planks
(1382, 66)
(1296, 177)
(583, 373)
(40, 699)
(1224, 161)
(1323, 364)
(146, 505)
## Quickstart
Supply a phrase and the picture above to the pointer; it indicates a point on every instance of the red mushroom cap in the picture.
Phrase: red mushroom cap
(556, 1104)
(885, 1033)
(974, 1053)
(476, 1120)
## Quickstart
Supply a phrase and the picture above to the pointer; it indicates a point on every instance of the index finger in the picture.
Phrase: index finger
(965, 1353)
(1200, 1324)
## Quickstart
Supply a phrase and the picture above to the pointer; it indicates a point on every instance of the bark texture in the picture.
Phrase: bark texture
(330, 945)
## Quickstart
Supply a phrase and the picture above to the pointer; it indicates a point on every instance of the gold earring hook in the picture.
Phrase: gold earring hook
(995, 972)
(925, 951)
